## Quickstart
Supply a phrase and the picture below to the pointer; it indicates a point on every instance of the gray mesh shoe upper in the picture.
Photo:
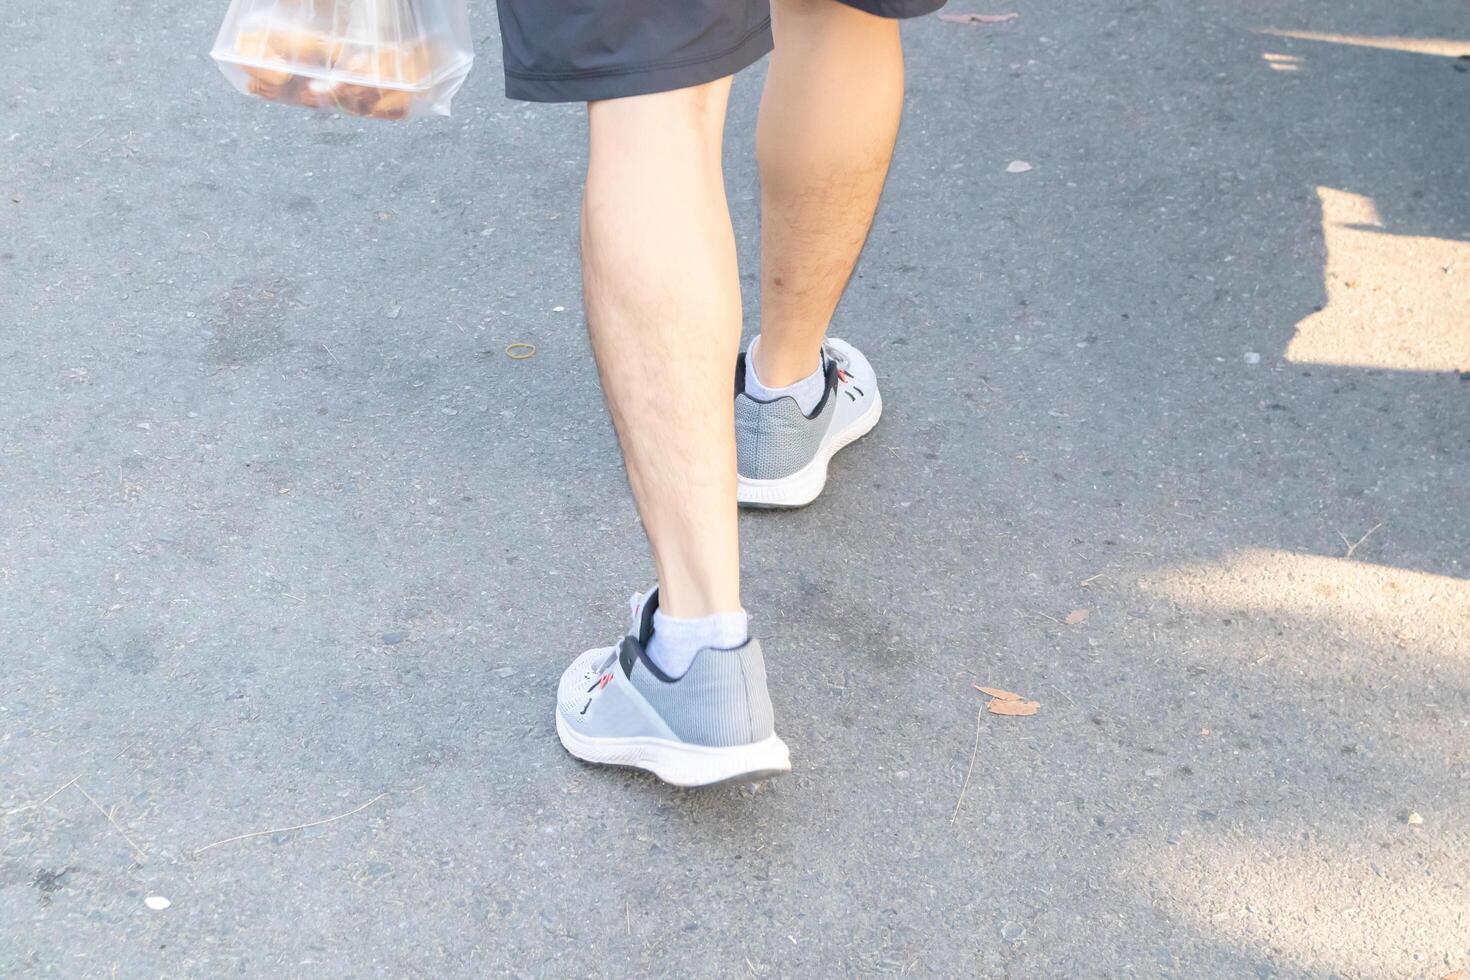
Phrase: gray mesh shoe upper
(775, 439)
(722, 700)
(617, 692)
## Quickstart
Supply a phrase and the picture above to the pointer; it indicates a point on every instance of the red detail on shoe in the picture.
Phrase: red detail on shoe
(843, 375)
(603, 682)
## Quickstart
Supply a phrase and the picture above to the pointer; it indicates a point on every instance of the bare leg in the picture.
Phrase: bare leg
(828, 120)
(663, 308)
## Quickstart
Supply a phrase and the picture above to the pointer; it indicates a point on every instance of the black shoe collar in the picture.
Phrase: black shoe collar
(634, 648)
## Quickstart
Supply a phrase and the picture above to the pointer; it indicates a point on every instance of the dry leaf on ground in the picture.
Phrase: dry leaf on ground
(977, 18)
(1077, 616)
(1014, 708)
(1457, 975)
(997, 693)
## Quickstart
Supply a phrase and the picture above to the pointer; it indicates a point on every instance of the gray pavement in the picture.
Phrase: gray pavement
(285, 534)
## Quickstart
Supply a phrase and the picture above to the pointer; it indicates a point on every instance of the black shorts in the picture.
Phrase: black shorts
(583, 50)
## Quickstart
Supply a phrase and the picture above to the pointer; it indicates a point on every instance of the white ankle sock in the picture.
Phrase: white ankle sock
(807, 391)
(676, 641)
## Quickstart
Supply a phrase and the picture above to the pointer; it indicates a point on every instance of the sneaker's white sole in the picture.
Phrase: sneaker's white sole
(805, 485)
(677, 762)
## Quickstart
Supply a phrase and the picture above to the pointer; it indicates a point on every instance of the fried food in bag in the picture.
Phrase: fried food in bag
(387, 59)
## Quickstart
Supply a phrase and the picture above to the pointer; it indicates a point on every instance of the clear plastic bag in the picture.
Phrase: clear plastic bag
(388, 59)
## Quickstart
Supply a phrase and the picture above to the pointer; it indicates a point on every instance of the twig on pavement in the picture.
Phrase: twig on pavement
(115, 825)
(1353, 546)
(979, 715)
(283, 830)
(42, 802)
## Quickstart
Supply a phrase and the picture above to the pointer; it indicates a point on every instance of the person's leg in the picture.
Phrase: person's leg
(663, 309)
(828, 120)
(683, 694)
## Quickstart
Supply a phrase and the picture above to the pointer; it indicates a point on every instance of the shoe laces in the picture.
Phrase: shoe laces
(838, 358)
(835, 355)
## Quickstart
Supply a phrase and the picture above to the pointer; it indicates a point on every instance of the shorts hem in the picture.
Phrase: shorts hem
(620, 83)
(896, 9)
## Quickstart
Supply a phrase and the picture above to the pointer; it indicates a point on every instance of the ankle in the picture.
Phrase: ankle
(676, 642)
(686, 595)
(778, 365)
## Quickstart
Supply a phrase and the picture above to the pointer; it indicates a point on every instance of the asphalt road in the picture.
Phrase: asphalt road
(285, 536)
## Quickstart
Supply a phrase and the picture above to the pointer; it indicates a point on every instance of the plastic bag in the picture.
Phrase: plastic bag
(389, 59)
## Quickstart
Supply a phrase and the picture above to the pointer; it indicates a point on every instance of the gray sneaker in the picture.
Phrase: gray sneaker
(712, 725)
(783, 452)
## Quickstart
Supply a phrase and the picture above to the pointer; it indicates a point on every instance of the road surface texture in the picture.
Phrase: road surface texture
(1177, 445)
